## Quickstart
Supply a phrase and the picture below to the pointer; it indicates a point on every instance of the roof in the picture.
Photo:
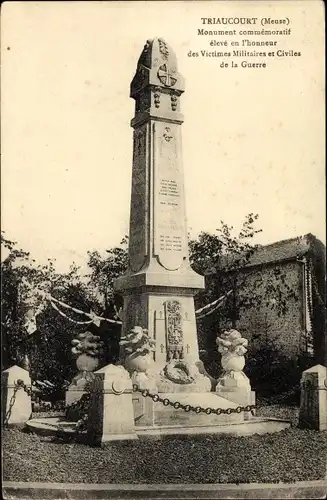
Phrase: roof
(281, 250)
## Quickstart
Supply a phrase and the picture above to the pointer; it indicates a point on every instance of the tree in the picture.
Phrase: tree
(48, 344)
(13, 337)
(104, 271)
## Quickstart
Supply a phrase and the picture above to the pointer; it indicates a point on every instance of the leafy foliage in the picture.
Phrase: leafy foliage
(223, 257)
(274, 375)
(104, 271)
(48, 348)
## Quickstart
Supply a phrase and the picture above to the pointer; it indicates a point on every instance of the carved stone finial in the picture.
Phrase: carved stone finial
(157, 66)
(157, 51)
(138, 347)
(232, 347)
(88, 348)
(139, 361)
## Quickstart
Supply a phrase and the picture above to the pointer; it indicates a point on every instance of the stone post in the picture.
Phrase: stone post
(111, 415)
(16, 406)
(313, 406)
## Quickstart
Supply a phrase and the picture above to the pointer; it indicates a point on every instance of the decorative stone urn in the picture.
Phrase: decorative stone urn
(88, 348)
(138, 348)
(233, 384)
(232, 347)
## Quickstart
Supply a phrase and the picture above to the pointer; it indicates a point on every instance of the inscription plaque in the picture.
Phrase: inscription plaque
(169, 226)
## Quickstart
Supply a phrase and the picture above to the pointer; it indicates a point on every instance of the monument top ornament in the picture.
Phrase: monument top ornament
(157, 66)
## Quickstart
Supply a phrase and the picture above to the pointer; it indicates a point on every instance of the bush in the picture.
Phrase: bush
(47, 391)
(275, 375)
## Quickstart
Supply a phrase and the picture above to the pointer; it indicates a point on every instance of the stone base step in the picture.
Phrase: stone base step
(149, 413)
(49, 426)
(257, 425)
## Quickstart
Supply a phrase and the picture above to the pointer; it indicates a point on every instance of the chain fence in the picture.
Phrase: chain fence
(79, 410)
(197, 409)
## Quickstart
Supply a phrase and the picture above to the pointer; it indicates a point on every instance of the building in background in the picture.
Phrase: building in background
(297, 264)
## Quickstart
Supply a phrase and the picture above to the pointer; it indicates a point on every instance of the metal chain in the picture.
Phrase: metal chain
(81, 406)
(18, 385)
(59, 406)
(28, 390)
(197, 409)
(85, 401)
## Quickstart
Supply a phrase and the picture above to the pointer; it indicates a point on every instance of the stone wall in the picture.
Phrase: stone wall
(263, 322)
(267, 321)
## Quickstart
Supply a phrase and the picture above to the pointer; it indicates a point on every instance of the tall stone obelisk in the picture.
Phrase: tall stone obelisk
(159, 286)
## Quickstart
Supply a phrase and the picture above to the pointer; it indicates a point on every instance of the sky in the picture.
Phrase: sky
(253, 139)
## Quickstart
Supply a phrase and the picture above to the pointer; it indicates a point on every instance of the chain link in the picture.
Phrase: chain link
(197, 409)
(27, 389)
(59, 406)
(19, 384)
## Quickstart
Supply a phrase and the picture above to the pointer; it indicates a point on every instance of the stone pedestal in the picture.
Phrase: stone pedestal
(16, 406)
(235, 386)
(167, 313)
(143, 408)
(313, 406)
(111, 415)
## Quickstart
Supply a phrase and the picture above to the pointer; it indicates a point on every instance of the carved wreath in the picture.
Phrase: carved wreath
(178, 372)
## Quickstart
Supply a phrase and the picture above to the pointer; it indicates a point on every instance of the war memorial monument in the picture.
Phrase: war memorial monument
(159, 386)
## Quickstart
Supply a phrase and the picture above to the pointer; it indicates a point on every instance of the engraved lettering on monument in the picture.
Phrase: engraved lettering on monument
(169, 209)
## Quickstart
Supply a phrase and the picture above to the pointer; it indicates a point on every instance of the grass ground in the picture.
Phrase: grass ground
(287, 456)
